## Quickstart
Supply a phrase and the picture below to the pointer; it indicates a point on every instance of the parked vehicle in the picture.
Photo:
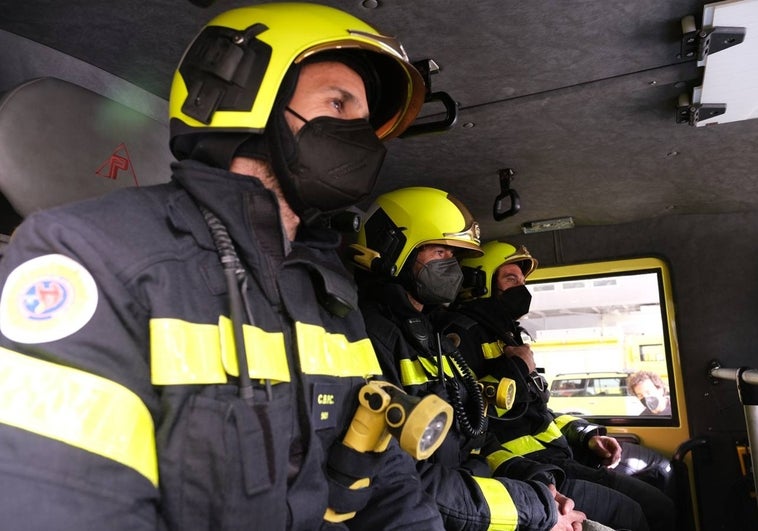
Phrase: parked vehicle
(593, 394)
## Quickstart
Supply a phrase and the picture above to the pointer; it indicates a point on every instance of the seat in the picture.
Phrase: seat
(60, 142)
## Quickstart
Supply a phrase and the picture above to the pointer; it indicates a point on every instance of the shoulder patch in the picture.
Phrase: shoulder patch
(47, 298)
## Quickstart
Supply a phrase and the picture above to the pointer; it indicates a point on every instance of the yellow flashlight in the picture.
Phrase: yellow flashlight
(499, 393)
(384, 410)
(419, 424)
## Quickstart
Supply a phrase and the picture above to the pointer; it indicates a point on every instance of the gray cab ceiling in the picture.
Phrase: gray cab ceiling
(578, 97)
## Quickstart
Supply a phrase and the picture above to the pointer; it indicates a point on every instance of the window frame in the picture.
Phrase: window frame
(633, 266)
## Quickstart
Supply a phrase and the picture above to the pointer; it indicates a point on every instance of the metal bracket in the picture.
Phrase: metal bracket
(714, 40)
(699, 44)
(693, 113)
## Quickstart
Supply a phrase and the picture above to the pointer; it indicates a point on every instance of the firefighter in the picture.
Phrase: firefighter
(188, 356)
(407, 254)
(485, 323)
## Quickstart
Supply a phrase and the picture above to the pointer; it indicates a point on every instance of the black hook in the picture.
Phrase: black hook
(499, 212)
(451, 116)
(426, 68)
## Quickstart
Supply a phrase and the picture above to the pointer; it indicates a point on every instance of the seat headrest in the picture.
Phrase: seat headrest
(60, 142)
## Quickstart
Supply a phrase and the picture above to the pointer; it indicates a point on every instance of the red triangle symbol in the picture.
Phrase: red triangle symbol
(119, 161)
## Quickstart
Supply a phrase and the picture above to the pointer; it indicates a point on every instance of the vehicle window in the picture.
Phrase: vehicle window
(594, 328)
(609, 386)
(568, 387)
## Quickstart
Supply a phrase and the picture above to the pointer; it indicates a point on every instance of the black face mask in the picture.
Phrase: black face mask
(335, 165)
(515, 301)
(651, 402)
(438, 281)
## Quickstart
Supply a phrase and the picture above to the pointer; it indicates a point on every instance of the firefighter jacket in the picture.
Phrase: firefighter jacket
(467, 495)
(119, 407)
(529, 429)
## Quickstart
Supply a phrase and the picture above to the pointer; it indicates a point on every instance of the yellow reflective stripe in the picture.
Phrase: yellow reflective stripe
(185, 353)
(420, 370)
(527, 444)
(324, 353)
(79, 409)
(412, 373)
(498, 457)
(551, 433)
(192, 353)
(492, 350)
(562, 420)
(431, 366)
(503, 512)
(523, 445)
(266, 356)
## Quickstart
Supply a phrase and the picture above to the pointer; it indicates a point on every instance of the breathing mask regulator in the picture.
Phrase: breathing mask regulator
(462, 388)
(464, 392)
(472, 420)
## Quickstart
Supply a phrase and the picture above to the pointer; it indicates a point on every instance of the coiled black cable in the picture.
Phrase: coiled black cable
(474, 393)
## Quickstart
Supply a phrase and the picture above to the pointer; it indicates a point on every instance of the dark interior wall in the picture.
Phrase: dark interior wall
(714, 266)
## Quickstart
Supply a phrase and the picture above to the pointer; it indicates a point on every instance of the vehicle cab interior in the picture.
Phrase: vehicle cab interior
(605, 135)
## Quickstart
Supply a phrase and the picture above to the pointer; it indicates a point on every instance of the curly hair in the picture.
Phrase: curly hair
(640, 376)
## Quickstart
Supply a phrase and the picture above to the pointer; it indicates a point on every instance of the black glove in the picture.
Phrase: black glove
(345, 467)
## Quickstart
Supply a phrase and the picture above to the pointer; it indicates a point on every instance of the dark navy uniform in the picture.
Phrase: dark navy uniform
(117, 374)
(468, 496)
(530, 434)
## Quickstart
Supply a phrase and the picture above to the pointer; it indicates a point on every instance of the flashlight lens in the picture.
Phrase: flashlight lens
(432, 432)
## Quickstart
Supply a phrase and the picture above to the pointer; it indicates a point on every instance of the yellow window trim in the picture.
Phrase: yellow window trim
(79, 409)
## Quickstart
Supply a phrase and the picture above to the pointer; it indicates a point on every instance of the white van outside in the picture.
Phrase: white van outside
(593, 394)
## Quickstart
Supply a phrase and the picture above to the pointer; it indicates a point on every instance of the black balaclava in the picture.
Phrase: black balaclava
(515, 301)
(330, 164)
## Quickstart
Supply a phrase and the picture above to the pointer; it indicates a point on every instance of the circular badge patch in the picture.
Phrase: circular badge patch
(47, 298)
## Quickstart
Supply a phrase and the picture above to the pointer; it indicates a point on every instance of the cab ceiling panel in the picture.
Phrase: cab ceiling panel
(604, 153)
(488, 50)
